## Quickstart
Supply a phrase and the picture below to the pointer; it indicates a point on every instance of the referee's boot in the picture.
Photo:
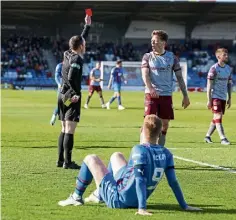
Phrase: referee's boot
(72, 165)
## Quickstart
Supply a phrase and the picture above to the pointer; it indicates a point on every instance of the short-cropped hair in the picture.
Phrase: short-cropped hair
(75, 42)
(152, 126)
(162, 35)
(220, 51)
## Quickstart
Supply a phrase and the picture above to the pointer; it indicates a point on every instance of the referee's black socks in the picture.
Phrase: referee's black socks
(60, 147)
(68, 147)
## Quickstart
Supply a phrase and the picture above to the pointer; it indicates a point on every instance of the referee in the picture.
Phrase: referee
(69, 100)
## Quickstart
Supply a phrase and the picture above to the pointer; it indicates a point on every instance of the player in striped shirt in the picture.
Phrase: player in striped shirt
(219, 84)
(95, 79)
(158, 68)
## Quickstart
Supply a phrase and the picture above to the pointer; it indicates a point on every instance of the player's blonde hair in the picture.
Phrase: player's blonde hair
(161, 34)
(220, 51)
(152, 126)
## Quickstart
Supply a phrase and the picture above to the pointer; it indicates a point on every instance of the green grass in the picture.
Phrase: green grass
(32, 185)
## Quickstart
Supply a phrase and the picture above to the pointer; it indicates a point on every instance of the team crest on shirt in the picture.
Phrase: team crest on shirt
(167, 59)
(75, 65)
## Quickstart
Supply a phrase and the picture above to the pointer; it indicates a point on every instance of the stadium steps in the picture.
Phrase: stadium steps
(48, 55)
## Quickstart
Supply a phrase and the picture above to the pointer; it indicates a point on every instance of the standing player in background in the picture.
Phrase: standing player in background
(219, 83)
(94, 85)
(157, 73)
(116, 78)
(129, 184)
(58, 81)
(69, 100)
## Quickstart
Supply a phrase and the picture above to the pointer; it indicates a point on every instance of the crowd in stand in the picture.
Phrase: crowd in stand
(24, 54)
(106, 51)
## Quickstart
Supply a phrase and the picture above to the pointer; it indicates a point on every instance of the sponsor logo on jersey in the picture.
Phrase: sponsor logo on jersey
(222, 78)
(161, 69)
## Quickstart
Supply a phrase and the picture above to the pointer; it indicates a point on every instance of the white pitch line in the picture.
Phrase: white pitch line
(206, 164)
(190, 148)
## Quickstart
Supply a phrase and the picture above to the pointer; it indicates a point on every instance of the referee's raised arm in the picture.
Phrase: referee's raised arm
(86, 27)
(69, 100)
(74, 60)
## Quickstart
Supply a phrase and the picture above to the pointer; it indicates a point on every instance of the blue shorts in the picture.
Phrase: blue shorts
(116, 87)
(120, 173)
(108, 190)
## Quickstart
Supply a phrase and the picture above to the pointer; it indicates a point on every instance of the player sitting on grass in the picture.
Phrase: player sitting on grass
(129, 184)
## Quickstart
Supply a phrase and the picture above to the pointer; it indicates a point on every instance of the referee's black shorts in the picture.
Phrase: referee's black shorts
(69, 113)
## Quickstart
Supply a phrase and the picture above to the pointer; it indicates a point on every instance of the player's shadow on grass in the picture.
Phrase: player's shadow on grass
(99, 147)
(186, 142)
(181, 127)
(38, 147)
(80, 147)
(92, 126)
(206, 208)
(113, 108)
(111, 141)
(134, 108)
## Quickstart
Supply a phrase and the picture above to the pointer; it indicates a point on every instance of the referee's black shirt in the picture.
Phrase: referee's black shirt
(72, 68)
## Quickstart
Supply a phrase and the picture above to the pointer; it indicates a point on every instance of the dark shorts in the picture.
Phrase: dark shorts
(162, 106)
(94, 88)
(108, 190)
(218, 105)
(69, 113)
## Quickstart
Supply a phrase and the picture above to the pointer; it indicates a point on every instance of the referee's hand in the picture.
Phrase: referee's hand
(88, 20)
(75, 98)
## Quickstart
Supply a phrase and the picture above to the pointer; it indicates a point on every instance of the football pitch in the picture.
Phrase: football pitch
(32, 185)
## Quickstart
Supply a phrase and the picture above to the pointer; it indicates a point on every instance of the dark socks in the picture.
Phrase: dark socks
(68, 147)
(60, 147)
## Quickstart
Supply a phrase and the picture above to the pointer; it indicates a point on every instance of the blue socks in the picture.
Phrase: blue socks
(119, 100)
(112, 99)
(84, 178)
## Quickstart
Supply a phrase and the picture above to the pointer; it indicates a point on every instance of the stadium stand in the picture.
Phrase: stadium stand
(22, 61)
(30, 61)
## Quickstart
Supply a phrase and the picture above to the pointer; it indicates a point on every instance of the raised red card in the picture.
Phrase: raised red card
(89, 11)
